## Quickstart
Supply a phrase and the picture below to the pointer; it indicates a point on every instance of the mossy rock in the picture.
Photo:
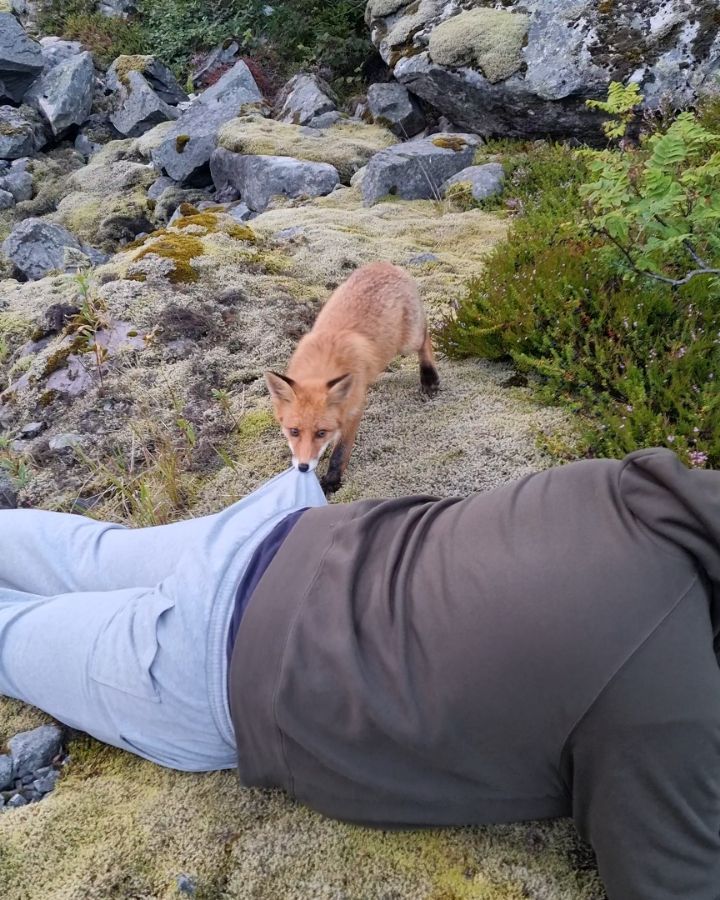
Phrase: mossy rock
(488, 39)
(347, 146)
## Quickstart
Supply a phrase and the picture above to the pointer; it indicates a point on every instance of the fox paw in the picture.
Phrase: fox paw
(329, 485)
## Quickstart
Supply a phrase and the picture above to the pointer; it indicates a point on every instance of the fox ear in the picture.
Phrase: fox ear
(339, 388)
(282, 388)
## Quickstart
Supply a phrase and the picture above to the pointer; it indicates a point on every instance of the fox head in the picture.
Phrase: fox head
(310, 414)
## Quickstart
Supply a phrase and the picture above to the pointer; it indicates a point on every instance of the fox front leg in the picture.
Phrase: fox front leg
(331, 481)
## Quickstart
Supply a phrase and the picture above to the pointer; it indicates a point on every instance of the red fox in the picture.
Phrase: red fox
(373, 317)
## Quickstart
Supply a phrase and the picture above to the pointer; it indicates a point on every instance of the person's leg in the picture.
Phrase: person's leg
(644, 765)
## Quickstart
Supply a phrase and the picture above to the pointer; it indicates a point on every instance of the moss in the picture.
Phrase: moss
(181, 249)
(347, 146)
(8, 130)
(212, 222)
(47, 398)
(123, 65)
(181, 142)
(256, 424)
(490, 39)
(450, 142)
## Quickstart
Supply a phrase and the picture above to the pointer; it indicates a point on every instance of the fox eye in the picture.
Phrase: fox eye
(320, 434)
(294, 432)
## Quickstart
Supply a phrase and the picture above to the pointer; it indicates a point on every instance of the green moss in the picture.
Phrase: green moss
(255, 424)
(181, 249)
(212, 222)
(490, 39)
(181, 142)
(123, 65)
(450, 142)
(8, 130)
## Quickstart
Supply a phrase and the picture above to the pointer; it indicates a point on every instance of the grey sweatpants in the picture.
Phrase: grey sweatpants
(544, 649)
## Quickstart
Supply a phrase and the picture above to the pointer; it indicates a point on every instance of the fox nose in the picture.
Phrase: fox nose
(303, 467)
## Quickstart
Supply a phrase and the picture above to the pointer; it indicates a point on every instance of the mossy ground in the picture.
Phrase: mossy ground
(183, 426)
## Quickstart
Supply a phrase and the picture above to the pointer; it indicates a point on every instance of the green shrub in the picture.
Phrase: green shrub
(639, 357)
(298, 33)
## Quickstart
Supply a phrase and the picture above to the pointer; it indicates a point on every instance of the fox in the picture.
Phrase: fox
(371, 318)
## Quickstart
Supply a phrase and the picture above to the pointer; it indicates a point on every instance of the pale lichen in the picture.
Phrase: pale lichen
(489, 39)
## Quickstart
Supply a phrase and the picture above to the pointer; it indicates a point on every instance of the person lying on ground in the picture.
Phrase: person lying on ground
(545, 649)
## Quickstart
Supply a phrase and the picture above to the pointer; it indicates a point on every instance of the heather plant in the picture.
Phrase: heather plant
(613, 324)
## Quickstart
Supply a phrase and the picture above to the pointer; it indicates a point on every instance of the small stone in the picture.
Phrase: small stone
(32, 749)
(32, 430)
(326, 120)
(240, 211)
(157, 188)
(186, 885)
(21, 132)
(16, 801)
(7, 201)
(37, 247)
(8, 499)
(138, 108)
(7, 767)
(485, 181)
(64, 441)
(422, 259)
(19, 183)
(47, 783)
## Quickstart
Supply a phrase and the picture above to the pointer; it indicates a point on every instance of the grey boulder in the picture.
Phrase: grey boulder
(19, 183)
(7, 769)
(304, 98)
(138, 108)
(6, 200)
(158, 77)
(31, 750)
(116, 9)
(416, 170)
(21, 59)
(188, 145)
(64, 94)
(394, 106)
(36, 247)
(55, 50)
(526, 69)
(260, 178)
(484, 181)
(21, 132)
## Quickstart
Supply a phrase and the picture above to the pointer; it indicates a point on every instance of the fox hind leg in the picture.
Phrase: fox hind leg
(429, 378)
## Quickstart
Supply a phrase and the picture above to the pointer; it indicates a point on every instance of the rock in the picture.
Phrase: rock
(172, 197)
(7, 769)
(157, 188)
(240, 211)
(259, 178)
(64, 442)
(16, 801)
(417, 170)
(7, 201)
(21, 133)
(97, 130)
(393, 106)
(304, 98)
(347, 146)
(527, 69)
(189, 143)
(8, 500)
(46, 783)
(138, 108)
(37, 247)
(55, 50)
(30, 431)
(215, 61)
(21, 59)
(119, 9)
(422, 259)
(32, 749)
(64, 94)
(156, 75)
(19, 183)
(326, 120)
(186, 885)
(484, 181)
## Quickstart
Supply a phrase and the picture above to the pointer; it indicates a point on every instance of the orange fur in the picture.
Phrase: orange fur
(370, 319)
